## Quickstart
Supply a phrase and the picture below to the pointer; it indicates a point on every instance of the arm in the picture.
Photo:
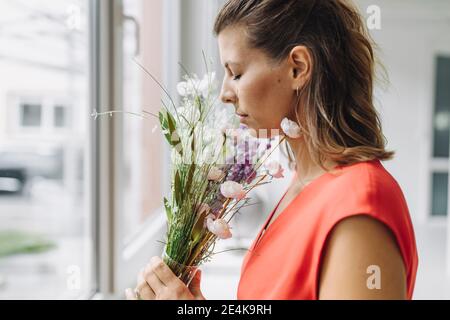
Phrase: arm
(355, 244)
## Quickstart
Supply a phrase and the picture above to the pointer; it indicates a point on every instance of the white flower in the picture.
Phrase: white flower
(232, 189)
(204, 84)
(183, 89)
(219, 227)
(193, 85)
(290, 128)
(274, 169)
(215, 174)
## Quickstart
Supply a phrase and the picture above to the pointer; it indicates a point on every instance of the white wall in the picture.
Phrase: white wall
(411, 35)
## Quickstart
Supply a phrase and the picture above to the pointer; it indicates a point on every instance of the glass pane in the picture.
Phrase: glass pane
(60, 116)
(31, 115)
(442, 108)
(45, 233)
(142, 146)
(439, 194)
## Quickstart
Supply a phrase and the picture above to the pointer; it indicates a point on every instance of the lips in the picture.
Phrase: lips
(242, 117)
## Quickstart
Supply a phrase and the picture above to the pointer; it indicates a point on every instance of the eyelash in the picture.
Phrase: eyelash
(234, 77)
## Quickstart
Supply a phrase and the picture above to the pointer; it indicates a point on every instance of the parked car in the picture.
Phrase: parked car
(13, 180)
(20, 166)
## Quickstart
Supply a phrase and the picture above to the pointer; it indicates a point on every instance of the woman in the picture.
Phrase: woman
(342, 229)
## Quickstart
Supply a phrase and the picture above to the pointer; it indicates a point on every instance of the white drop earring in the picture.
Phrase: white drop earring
(290, 128)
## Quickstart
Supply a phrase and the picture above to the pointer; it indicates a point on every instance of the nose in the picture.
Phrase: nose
(227, 95)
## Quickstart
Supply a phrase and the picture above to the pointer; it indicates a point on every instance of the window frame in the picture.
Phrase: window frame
(116, 266)
(436, 164)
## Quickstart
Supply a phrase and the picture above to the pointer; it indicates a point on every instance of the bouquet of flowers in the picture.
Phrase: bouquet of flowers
(215, 164)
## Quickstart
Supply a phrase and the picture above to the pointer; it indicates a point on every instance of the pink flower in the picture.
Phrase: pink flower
(290, 128)
(207, 218)
(275, 169)
(219, 227)
(232, 189)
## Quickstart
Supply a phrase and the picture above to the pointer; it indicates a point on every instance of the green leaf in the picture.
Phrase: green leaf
(176, 143)
(197, 230)
(177, 189)
(196, 236)
(161, 118)
(168, 209)
(189, 178)
(171, 122)
(168, 125)
(198, 102)
(165, 126)
(193, 141)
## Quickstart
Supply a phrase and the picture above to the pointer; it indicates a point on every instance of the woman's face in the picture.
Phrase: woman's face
(261, 94)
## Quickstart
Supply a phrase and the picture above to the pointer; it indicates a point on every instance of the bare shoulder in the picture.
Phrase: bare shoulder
(361, 260)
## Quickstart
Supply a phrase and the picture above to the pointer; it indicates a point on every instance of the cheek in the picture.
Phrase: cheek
(254, 93)
(264, 101)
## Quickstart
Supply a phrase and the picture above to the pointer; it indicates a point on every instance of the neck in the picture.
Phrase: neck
(307, 169)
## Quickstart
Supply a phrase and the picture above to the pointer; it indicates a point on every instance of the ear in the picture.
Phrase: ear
(300, 63)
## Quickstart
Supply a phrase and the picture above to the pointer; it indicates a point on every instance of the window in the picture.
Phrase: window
(142, 147)
(30, 115)
(441, 138)
(59, 117)
(442, 109)
(134, 152)
(46, 242)
(439, 191)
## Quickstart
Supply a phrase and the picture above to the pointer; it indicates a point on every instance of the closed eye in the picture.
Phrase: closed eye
(230, 73)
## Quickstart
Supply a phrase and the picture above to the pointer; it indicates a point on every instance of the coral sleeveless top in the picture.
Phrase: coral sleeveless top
(283, 263)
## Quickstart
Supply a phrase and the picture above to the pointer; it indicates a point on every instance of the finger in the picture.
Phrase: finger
(129, 294)
(163, 272)
(194, 286)
(153, 281)
(145, 292)
(140, 277)
(143, 286)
